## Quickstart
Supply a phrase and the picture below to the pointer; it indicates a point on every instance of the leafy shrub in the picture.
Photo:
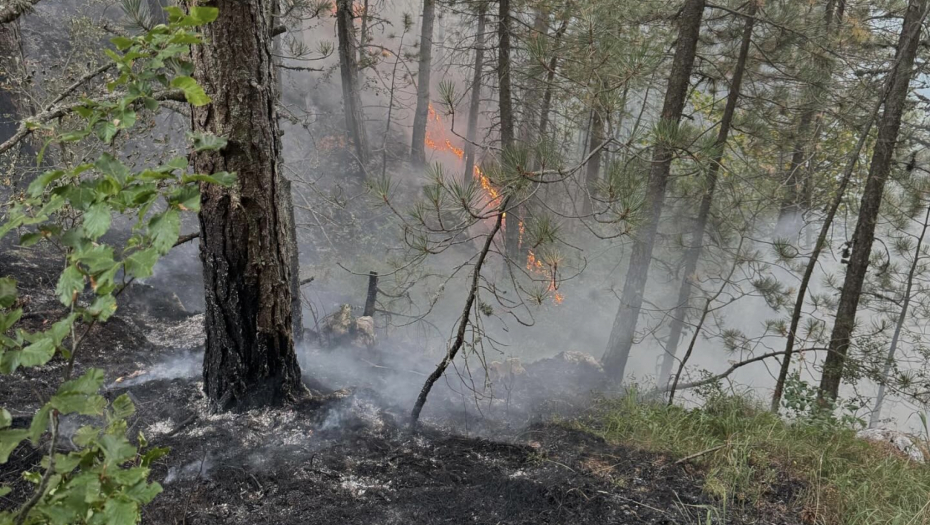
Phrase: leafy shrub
(106, 479)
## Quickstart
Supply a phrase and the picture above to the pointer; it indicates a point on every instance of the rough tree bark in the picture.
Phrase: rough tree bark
(474, 105)
(249, 359)
(693, 254)
(880, 167)
(421, 114)
(631, 300)
(348, 69)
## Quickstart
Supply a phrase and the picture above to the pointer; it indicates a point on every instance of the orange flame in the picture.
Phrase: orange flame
(437, 140)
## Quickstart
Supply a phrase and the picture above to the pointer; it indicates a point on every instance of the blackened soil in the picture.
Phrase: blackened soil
(347, 457)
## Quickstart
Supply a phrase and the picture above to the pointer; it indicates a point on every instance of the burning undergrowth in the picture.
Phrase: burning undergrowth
(345, 455)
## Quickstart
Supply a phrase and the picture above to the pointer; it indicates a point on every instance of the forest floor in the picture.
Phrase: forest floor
(346, 456)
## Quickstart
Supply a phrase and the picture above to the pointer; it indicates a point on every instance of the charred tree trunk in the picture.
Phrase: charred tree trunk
(631, 300)
(348, 68)
(474, 106)
(417, 151)
(864, 235)
(249, 359)
(693, 254)
(550, 81)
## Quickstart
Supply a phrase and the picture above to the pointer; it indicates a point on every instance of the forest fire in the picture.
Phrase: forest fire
(436, 140)
(535, 266)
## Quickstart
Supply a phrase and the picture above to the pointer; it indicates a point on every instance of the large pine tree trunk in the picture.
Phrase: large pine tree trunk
(880, 167)
(631, 300)
(249, 359)
(474, 105)
(348, 69)
(693, 254)
(417, 151)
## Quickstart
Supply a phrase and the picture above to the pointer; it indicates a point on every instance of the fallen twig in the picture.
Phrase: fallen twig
(701, 453)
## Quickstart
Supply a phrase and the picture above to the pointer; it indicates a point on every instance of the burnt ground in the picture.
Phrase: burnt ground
(345, 456)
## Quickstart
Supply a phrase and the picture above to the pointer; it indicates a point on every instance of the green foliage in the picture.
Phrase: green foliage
(106, 479)
(846, 480)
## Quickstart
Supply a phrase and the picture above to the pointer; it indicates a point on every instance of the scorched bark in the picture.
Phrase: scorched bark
(249, 359)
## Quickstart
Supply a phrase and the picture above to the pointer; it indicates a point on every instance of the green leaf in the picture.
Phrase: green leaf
(222, 178)
(97, 259)
(123, 407)
(144, 493)
(7, 292)
(105, 131)
(140, 263)
(39, 423)
(41, 182)
(192, 90)
(5, 418)
(122, 43)
(89, 383)
(186, 198)
(117, 449)
(206, 141)
(8, 319)
(204, 15)
(9, 440)
(4, 490)
(86, 405)
(110, 165)
(38, 353)
(97, 220)
(165, 229)
(103, 307)
(70, 284)
(121, 511)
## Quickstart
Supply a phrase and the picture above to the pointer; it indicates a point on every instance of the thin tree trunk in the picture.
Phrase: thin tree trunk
(631, 300)
(503, 74)
(879, 169)
(363, 35)
(593, 169)
(902, 317)
(417, 146)
(512, 224)
(474, 106)
(818, 248)
(533, 93)
(789, 213)
(249, 359)
(693, 254)
(348, 68)
(463, 320)
(700, 323)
